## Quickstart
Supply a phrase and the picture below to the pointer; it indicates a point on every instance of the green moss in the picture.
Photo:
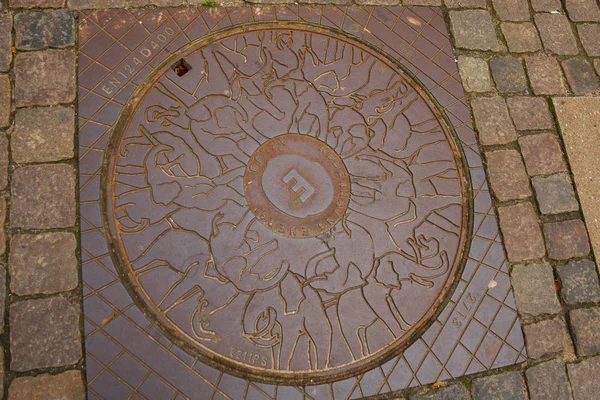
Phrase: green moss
(210, 3)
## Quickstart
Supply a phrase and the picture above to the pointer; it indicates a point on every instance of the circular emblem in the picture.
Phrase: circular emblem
(297, 186)
(289, 207)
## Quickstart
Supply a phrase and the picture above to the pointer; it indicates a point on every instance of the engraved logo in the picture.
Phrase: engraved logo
(297, 184)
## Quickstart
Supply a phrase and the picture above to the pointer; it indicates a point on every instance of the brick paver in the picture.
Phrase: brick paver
(548, 381)
(547, 337)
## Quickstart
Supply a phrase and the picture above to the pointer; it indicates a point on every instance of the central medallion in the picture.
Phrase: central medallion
(297, 186)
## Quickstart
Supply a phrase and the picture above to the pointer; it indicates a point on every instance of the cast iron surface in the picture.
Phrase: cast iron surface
(284, 202)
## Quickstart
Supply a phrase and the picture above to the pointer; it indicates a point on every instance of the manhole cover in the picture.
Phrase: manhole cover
(286, 203)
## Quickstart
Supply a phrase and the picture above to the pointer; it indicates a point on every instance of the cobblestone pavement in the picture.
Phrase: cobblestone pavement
(530, 69)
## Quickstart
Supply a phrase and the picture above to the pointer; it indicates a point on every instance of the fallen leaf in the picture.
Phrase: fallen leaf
(437, 384)
(413, 21)
(108, 319)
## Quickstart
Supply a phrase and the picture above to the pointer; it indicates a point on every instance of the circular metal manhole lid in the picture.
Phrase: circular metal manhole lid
(286, 204)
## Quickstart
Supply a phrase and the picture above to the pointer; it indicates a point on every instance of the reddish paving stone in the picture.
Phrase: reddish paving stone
(512, 10)
(43, 134)
(2, 300)
(63, 386)
(5, 100)
(507, 175)
(545, 75)
(590, 39)
(3, 161)
(5, 41)
(39, 30)
(36, 3)
(542, 154)
(585, 325)
(420, 3)
(504, 386)
(2, 225)
(555, 193)
(493, 121)
(534, 289)
(548, 381)
(91, 4)
(579, 282)
(474, 30)
(583, 10)
(475, 74)
(566, 239)
(582, 386)
(546, 5)
(43, 196)
(530, 113)
(557, 35)
(508, 74)
(521, 38)
(44, 333)
(547, 337)
(51, 82)
(580, 75)
(43, 263)
(522, 233)
(465, 3)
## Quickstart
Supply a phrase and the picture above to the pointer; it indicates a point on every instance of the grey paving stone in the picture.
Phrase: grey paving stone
(521, 232)
(583, 10)
(43, 134)
(542, 154)
(40, 30)
(580, 76)
(508, 74)
(504, 386)
(590, 39)
(581, 376)
(51, 82)
(534, 289)
(548, 381)
(44, 333)
(547, 337)
(566, 239)
(5, 41)
(530, 113)
(474, 30)
(475, 74)
(454, 392)
(43, 263)
(579, 282)
(493, 122)
(507, 175)
(43, 196)
(66, 385)
(521, 37)
(545, 75)
(585, 325)
(555, 193)
(556, 33)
